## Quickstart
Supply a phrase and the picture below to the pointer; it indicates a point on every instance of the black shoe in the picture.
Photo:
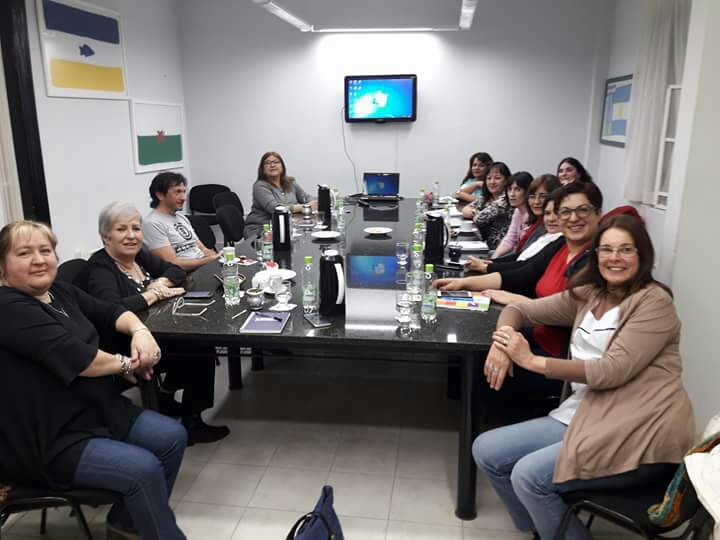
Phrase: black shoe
(200, 432)
(168, 406)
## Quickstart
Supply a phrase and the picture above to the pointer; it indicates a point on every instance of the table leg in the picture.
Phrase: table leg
(467, 472)
(234, 367)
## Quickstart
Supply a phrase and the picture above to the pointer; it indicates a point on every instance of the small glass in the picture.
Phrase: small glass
(283, 296)
(402, 249)
(401, 275)
(319, 219)
(403, 309)
(275, 283)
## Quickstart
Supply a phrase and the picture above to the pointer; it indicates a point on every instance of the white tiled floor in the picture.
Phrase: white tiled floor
(383, 435)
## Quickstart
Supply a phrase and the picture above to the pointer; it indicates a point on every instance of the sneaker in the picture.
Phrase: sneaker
(200, 432)
(114, 533)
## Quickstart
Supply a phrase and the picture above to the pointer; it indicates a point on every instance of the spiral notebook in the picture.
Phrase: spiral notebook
(265, 322)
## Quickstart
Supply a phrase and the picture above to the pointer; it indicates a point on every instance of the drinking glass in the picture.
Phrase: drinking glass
(319, 219)
(283, 296)
(401, 252)
(275, 283)
(403, 308)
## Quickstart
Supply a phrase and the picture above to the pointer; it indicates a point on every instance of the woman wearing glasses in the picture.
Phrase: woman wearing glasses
(64, 425)
(628, 418)
(578, 206)
(273, 187)
(123, 273)
(543, 228)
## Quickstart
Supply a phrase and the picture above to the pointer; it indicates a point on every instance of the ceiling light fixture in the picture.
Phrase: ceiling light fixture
(285, 15)
(370, 30)
(467, 12)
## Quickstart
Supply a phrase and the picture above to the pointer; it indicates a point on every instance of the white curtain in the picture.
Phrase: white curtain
(660, 63)
(10, 203)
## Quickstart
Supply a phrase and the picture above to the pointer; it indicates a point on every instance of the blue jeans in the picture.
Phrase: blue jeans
(143, 468)
(520, 460)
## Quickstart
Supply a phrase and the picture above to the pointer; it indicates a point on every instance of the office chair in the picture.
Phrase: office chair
(74, 271)
(200, 201)
(203, 230)
(232, 223)
(228, 197)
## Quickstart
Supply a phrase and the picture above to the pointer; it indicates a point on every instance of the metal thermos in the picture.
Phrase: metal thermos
(281, 229)
(324, 198)
(332, 284)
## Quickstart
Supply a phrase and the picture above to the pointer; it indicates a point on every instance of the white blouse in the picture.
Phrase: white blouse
(588, 343)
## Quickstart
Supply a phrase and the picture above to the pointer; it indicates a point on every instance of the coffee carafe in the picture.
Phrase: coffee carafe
(332, 284)
(324, 198)
(281, 229)
(436, 238)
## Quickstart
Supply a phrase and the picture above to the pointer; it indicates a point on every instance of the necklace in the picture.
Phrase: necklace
(139, 284)
(59, 310)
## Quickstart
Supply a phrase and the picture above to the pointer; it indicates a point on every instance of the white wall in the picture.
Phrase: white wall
(695, 193)
(87, 143)
(518, 85)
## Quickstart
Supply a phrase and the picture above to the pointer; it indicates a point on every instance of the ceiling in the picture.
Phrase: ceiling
(375, 13)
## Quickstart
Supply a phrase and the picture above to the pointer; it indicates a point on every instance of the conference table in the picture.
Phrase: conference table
(368, 326)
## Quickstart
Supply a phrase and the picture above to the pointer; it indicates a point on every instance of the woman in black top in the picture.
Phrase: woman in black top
(124, 274)
(69, 428)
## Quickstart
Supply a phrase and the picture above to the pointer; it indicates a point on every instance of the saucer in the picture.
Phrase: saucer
(325, 234)
(375, 231)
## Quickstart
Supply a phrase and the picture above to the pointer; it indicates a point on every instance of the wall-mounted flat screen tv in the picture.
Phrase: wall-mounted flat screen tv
(380, 98)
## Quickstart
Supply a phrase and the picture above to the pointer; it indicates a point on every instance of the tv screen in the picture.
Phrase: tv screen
(371, 271)
(380, 98)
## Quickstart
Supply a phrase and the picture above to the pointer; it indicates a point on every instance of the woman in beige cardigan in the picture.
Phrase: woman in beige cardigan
(628, 417)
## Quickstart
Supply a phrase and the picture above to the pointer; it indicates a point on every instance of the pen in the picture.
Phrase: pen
(238, 314)
(271, 317)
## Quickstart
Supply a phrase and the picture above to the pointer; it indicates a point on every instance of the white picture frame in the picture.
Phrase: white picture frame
(149, 119)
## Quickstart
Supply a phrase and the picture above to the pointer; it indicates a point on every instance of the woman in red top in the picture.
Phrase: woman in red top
(578, 206)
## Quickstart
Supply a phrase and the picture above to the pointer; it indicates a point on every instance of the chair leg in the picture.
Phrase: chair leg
(562, 528)
(80, 516)
(43, 521)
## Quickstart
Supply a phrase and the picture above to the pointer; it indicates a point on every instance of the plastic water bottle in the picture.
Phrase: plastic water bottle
(267, 243)
(309, 297)
(420, 203)
(418, 237)
(231, 281)
(417, 257)
(429, 298)
(436, 193)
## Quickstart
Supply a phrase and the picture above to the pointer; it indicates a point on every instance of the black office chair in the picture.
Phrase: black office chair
(627, 508)
(74, 271)
(232, 223)
(200, 200)
(20, 499)
(203, 230)
(228, 197)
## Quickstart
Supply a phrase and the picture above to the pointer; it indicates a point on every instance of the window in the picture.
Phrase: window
(667, 146)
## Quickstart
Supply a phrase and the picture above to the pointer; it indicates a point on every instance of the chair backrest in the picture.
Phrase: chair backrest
(203, 230)
(232, 223)
(200, 198)
(228, 197)
(74, 271)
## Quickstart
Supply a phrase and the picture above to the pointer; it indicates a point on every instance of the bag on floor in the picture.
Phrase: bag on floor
(320, 524)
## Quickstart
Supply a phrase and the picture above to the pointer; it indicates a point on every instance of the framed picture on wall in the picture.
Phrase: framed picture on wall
(616, 111)
(157, 135)
(83, 50)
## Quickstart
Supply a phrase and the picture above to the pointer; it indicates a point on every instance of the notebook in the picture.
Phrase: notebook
(381, 186)
(265, 322)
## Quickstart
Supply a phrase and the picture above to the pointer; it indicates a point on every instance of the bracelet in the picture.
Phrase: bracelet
(125, 364)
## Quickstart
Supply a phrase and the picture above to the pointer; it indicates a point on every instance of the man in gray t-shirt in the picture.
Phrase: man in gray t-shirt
(169, 234)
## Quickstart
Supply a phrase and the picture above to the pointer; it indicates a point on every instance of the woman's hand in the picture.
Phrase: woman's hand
(514, 345)
(160, 283)
(468, 212)
(144, 348)
(449, 284)
(477, 265)
(503, 297)
(497, 367)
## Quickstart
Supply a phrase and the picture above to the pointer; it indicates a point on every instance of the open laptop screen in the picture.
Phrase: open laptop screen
(382, 183)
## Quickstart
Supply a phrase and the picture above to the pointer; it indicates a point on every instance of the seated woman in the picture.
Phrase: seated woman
(579, 209)
(69, 427)
(273, 187)
(123, 273)
(471, 186)
(517, 194)
(571, 170)
(628, 418)
(543, 227)
(492, 214)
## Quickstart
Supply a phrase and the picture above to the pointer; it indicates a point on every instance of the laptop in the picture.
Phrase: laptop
(381, 186)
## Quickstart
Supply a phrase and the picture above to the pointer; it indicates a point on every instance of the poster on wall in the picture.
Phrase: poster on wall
(157, 135)
(616, 111)
(83, 50)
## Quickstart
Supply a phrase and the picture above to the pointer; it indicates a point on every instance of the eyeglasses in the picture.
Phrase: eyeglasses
(271, 163)
(626, 251)
(538, 196)
(180, 303)
(583, 211)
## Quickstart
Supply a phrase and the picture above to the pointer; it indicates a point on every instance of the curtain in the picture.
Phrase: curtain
(10, 202)
(660, 63)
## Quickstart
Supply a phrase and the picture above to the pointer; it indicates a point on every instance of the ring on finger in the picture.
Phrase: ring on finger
(494, 369)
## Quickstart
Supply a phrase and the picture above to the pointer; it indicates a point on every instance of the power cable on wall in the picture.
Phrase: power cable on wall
(342, 130)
